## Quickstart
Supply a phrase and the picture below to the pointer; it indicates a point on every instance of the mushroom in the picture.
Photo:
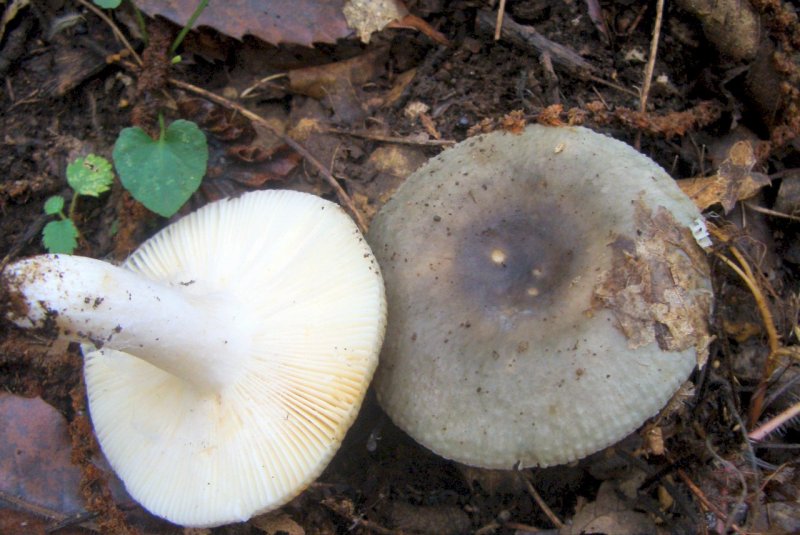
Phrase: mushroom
(546, 296)
(227, 357)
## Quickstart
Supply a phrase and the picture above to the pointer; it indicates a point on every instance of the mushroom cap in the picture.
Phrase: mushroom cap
(546, 296)
(300, 269)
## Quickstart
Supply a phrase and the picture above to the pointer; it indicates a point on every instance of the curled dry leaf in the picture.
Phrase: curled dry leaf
(322, 80)
(609, 514)
(734, 181)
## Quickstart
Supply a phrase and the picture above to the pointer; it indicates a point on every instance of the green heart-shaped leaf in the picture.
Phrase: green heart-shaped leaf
(162, 174)
(108, 4)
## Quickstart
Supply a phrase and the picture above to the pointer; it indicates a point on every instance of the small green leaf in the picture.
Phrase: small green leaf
(108, 4)
(60, 236)
(91, 175)
(162, 174)
(54, 205)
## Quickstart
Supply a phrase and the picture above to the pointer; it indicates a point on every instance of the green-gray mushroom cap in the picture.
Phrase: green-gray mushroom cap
(546, 292)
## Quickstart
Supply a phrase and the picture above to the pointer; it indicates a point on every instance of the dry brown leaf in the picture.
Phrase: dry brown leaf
(275, 523)
(322, 80)
(369, 16)
(609, 514)
(300, 22)
(413, 22)
(734, 181)
(399, 86)
(429, 125)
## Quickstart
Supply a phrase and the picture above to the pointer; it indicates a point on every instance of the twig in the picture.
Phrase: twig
(390, 139)
(766, 314)
(540, 502)
(78, 519)
(498, 26)
(700, 495)
(114, 28)
(745, 273)
(527, 37)
(651, 63)
(32, 508)
(765, 429)
(769, 324)
(773, 213)
(246, 93)
(341, 194)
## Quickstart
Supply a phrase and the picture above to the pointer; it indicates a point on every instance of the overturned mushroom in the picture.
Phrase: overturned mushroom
(546, 296)
(226, 359)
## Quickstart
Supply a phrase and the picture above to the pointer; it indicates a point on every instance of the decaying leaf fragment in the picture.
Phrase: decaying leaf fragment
(369, 16)
(656, 287)
(734, 181)
(321, 80)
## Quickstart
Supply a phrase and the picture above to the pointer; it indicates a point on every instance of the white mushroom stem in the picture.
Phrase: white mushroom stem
(91, 301)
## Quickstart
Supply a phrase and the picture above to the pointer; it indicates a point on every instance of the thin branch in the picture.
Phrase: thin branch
(498, 27)
(114, 28)
(540, 502)
(651, 61)
(650, 66)
(773, 213)
(700, 495)
(341, 194)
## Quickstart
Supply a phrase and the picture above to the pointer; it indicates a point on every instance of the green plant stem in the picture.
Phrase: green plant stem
(162, 127)
(73, 204)
(71, 214)
(140, 22)
(185, 30)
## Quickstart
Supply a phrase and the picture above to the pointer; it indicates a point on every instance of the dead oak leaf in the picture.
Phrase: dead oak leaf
(300, 22)
(735, 180)
(609, 514)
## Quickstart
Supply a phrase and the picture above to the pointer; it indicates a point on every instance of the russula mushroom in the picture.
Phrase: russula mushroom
(227, 357)
(546, 296)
